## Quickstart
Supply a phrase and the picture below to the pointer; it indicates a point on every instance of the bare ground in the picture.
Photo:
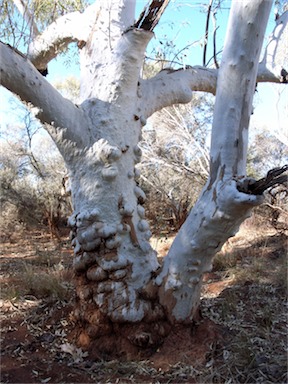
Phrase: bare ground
(241, 337)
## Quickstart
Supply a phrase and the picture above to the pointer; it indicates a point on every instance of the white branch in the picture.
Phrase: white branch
(170, 87)
(275, 53)
(114, 53)
(236, 87)
(74, 26)
(216, 216)
(20, 77)
(128, 58)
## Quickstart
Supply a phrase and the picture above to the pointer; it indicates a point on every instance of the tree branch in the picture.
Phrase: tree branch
(257, 187)
(131, 49)
(24, 11)
(236, 86)
(221, 208)
(214, 41)
(175, 86)
(72, 27)
(20, 77)
(171, 86)
(275, 53)
(207, 32)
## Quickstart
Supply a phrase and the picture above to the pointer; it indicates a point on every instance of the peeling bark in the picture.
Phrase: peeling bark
(151, 14)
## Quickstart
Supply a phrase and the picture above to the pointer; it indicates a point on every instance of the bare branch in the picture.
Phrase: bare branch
(170, 87)
(20, 77)
(235, 88)
(72, 27)
(275, 56)
(214, 41)
(207, 32)
(274, 177)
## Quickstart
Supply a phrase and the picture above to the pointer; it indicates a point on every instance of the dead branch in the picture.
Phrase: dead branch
(151, 14)
(257, 187)
(207, 32)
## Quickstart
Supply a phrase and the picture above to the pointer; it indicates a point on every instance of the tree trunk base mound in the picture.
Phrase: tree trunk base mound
(160, 342)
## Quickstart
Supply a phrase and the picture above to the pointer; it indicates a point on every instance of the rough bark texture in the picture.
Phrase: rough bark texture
(121, 288)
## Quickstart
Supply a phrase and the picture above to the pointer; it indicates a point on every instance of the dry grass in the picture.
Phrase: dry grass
(251, 310)
(45, 284)
(53, 283)
(35, 267)
(255, 317)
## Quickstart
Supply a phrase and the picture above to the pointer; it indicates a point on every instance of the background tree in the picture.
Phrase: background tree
(122, 291)
(175, 156)
(31, 178)
(266, 146)
(266, 151)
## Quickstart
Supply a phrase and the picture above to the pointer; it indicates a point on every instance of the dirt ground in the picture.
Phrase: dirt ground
(240, 338)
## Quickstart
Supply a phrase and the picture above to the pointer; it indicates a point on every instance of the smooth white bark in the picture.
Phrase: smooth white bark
(101, 58)
(221, 208)
(215, 217)
(170, 87)
(64, 120)
(69, 28)
(275, 54)
(117, 69)
(236, 86)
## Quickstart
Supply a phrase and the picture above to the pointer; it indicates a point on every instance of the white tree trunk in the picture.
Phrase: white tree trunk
(119, 278)
(221, 208)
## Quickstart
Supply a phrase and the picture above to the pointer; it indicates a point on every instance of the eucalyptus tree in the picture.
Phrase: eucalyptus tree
(121, 287)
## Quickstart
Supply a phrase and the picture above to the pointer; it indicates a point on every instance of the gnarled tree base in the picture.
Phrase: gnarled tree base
(165, 344)
(104, 338)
